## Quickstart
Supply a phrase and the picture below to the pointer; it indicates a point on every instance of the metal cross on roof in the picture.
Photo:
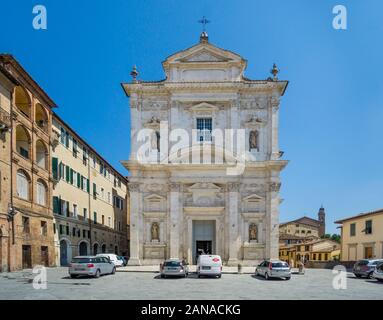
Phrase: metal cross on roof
(204, 22)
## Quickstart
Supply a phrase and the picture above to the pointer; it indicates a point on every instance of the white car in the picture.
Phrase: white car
(378, 272)
(209, 265)
(113, 258)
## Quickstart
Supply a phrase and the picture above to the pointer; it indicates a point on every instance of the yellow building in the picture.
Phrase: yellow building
(90, 198)
(362, 236)
(322, 250)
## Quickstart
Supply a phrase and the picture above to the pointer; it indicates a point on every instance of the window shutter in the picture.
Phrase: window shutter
(78, 180)
(60, 170)
(87, 186)
(67, 209)
(55, 168)
(71, 176)
(55, 205)
(67, 174)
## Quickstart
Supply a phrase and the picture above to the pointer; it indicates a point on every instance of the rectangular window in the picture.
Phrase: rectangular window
(85, 213)
(84, 233)
(95, 217)
(74, 148)
(108, 197)
(75, 178)
(75, 211)
(94, 162)
(67, 173)
(204, 128)
(84, 155)
(44, 228)
(67, 230)
(26, 227)
(54, 228)
(102, 194)
(67, 139)
(62, 136)
(88, 234)
(103, 220)
(55, 169)
(74, 231)
(368, 228)
(61, 229)
(94, 190)
(352, 229)
(78, 180)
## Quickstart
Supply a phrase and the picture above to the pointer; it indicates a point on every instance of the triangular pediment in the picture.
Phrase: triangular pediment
(204, 52)
(204, 55)
(252, 197)
(154, 197)
(204, 106)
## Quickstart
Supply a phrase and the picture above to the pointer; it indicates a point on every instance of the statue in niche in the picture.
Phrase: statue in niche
(154, 140)
(253, 232)
(155, 231)
(253, 140)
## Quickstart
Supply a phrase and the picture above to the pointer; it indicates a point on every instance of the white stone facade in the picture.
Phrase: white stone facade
(197, 204)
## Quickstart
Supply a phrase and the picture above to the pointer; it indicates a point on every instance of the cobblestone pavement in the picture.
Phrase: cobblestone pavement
(315, 284)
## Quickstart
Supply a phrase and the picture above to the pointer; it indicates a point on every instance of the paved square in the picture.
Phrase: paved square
(315, 284)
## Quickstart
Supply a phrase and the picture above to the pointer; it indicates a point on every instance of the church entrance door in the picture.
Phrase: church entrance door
(203, 238)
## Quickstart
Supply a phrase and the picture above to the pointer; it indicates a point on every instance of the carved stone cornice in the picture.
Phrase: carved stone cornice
(134, 186)
(274, 186)
(175, 187)
(233, 186)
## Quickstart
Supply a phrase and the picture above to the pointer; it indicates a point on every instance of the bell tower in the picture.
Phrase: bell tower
(322, 221)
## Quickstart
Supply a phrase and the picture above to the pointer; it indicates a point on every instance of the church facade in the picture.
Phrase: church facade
(205, 161)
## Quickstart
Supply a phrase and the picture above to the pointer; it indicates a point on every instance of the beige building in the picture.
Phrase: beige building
(89, 198)
(362, 236)
(303, 229)
(26, 220)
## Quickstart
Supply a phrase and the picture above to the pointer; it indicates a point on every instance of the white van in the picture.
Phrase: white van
(113, 258)
(209, 265)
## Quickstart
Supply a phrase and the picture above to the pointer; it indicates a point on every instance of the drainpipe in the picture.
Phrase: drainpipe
(89, 205)
(11, 222)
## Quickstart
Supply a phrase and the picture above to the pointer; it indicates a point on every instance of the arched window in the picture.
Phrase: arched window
(22, 142)
(41, 193)
(22, 101)
(41, 154)
(41, 117)
(22, 182)
(103, 248)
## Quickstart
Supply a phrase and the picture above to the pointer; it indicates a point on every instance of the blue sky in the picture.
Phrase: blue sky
(331, 114)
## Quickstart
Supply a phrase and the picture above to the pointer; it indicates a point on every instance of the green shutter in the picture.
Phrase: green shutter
(60, 170)
(87, 186)
(56, 205)
(71, 176)
(67, 174)
(60, 206)
(55, 168)
(78, 180)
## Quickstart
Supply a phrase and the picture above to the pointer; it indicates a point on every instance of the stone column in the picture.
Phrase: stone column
(175, 220)
(135, 212)
(233, 189)
(274, 128)
(272, 220)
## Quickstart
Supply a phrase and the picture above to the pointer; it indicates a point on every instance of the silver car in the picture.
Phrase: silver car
(174, 267)
(365, 267)
(90, 266)
(273, 269)
(378, 272)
